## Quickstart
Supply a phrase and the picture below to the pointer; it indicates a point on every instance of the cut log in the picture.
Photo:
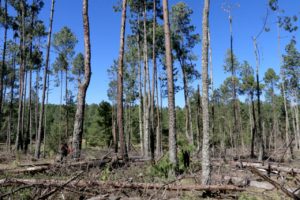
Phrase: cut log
(45, 196)
(244, 182)
(273, 167)
(274, 183)
(122, 185)
(42, 168)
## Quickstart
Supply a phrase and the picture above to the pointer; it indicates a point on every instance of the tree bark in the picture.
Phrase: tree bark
(233, 79)
(146, 98)
(45, 114)
(171, 95)
(2, 71)
(19, 137)
(123, 150)
(79, 116)
(261, 147)
(188, 128)
(10, 117)
(297, 124)
(36, 107)
(140, 93)
(254, 128)
(159, 150)
(199, 119)
(154, 72)
(42, 110)
(206, 165)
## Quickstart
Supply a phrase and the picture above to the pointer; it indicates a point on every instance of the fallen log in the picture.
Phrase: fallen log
(42, 168)
(61, 187)
(122, 185)
(33, 164)
(244, 182)
(274, 183)
(267, 166)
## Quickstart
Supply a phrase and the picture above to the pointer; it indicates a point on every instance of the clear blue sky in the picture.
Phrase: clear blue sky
(105, 33)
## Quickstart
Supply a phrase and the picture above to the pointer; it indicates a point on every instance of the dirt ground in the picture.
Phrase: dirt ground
(142, 171)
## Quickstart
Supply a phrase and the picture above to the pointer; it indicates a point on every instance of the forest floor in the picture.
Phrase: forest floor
(100, 176)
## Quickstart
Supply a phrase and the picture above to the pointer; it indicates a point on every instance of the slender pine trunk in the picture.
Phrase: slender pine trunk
(3, 67)
(206, 165)
(146, 98)
(171, 94)
(10, 117)
(120, 113)
(42, 110)
(154, 69)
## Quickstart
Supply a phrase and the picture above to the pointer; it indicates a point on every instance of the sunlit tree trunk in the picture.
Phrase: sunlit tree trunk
(206, 166)
(212, 124)
(79, 116)
(123, 150)
(199, 119)
(147, 97)
(171, 95)
(42, 110)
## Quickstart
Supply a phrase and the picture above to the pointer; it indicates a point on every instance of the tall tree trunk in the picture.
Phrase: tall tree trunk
(212, 124)
(206, 165)
(154, 71)
(45, 118)
(199, 119)
(287, 123)
(36, 118)
(10, 117)
(297, 125)
(159, 150)
(24, 131)
(233, 79)
(147, 97)
(188, 131)
(254, 128)
(42, 110)
(19, 137)
(2, 71)
(123, 151)
(274, 125)
(79, 117)
(29, 114)
(114, 129)
(171, 94)
(140, 94)
(67, 107)
(261, 147)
